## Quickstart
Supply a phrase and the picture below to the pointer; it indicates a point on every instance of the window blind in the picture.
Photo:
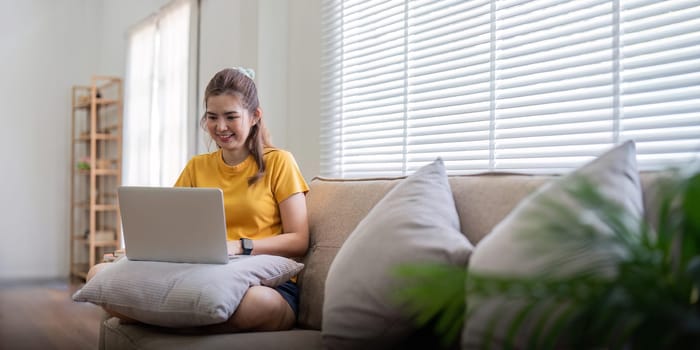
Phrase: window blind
(510, 85)
(660, 51)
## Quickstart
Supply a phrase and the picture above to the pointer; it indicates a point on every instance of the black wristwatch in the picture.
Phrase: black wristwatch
(247, 245)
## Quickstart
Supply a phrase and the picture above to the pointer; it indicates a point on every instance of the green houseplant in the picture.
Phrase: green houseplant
(649, 302)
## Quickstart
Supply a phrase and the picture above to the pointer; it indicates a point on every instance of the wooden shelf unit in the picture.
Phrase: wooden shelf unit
(96, 163)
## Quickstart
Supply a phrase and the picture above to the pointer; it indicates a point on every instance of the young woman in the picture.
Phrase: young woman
(264, 197)
(264, 194)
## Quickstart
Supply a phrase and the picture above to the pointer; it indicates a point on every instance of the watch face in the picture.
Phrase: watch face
(247, 244)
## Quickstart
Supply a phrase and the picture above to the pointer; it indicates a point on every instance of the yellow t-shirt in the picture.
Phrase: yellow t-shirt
(251, 211)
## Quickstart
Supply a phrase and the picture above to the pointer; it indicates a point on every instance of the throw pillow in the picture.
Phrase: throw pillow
(183, 295)
(507, 252)
(415, 222)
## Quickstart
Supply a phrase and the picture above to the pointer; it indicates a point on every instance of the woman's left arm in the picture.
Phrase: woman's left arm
(294, 239)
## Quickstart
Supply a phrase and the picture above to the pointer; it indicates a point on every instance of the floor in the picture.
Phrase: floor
(41, 315)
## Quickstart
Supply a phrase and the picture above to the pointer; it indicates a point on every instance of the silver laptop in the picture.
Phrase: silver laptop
(174, 224)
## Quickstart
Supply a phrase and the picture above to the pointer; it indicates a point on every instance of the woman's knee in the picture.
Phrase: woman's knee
(95, 270)
(263, 308)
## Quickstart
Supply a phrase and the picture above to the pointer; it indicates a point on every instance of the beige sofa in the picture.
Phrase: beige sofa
(335, 208)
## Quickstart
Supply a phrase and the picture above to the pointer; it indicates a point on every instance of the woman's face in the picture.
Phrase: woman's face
(228, 122)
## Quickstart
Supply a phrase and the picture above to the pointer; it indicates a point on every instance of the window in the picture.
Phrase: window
(509, 85)
(157, 108)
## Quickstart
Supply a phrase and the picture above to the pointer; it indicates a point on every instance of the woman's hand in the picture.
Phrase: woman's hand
(234, 247)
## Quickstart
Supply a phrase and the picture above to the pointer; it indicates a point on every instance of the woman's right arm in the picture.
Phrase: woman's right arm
(294, 239)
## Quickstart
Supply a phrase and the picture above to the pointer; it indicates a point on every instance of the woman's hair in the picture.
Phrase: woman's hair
(239, 82)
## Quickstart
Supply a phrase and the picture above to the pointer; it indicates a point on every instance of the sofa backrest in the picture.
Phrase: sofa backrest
(336, 206)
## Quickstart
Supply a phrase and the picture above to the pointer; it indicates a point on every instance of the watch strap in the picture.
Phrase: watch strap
(247, 246)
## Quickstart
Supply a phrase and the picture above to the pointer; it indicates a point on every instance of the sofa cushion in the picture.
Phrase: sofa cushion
(483, 200)
(415, 222)
(119, 336)
(335, 207)
(506, 251)
(183, 295)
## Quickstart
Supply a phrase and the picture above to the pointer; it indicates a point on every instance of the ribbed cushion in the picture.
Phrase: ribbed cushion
(183, 295)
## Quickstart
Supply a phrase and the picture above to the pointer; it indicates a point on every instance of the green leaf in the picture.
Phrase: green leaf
(691, 203)
(557, 328)
(540, 323)
(434, 295)
(515, 324)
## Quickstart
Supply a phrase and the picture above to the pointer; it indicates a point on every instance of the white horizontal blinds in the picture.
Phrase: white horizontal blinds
(508, 85)
(448, 84)
(331, 87)
(373, 79)
(554, 83)
(661, 80)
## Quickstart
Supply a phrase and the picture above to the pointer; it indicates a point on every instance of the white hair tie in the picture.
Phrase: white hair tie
(248, 72)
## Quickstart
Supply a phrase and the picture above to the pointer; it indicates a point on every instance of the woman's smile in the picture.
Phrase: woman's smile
(226, 137)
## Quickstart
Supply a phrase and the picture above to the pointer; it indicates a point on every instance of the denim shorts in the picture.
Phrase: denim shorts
(290, 292)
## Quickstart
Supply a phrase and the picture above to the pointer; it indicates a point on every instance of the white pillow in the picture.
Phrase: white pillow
(506, 251)
(183, 295)
(415, 222)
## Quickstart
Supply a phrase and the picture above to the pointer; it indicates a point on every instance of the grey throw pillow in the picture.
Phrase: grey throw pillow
(415, 222)
(507, 251)
(183, 295)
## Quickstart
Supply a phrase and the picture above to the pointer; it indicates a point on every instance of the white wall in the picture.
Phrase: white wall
(304, 85)
(116, 18)
(46, 46)
(273, 55)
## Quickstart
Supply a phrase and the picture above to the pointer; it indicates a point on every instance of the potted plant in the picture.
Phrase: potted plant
(83, 164)
(650, 301)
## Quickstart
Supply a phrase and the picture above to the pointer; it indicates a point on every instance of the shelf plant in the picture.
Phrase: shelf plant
(83, 164)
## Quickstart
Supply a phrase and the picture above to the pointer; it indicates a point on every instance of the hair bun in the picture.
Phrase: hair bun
(248, 72)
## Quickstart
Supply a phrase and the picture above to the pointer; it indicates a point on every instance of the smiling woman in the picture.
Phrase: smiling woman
(264, 195)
